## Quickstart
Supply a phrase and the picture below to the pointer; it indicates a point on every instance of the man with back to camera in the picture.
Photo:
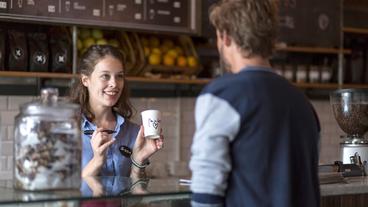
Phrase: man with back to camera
(256, 139)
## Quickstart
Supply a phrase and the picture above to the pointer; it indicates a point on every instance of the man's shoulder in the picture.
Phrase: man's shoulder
(222, 84)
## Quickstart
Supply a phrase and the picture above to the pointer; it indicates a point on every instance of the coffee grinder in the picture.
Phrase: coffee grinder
(350, 108)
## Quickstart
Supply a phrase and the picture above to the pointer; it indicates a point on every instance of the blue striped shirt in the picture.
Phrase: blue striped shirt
(116, 164)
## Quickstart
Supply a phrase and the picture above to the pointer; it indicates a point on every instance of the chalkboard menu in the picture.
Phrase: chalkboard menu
(158, 15)
(310, 22)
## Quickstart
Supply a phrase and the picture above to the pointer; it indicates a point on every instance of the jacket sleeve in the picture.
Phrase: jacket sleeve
(217, 124)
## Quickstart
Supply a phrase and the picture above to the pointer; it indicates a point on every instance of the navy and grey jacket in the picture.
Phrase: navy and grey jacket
(256, 143)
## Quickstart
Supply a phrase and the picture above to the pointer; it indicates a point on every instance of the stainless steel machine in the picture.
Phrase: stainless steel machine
(350, 108)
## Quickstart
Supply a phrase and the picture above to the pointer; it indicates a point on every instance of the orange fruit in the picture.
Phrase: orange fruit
(168, 60)
(192, 61)
(147, 51)
(181, 61)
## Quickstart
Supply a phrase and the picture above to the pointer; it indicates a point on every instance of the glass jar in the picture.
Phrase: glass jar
(314, 74)
(289, 72)
(301, 74)
(47, 145)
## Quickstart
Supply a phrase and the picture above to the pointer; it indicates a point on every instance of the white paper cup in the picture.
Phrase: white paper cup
(151, 120)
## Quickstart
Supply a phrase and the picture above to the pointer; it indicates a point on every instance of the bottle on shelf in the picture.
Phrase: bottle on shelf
(326, 72)
(278, 68)
(314, 74)
(301, 73)
(289, 72)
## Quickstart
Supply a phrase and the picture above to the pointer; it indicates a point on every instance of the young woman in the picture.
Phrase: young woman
(102, 93)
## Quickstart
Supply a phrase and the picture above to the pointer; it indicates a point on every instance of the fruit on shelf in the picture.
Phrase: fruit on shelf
(168, 60)
(101, 41)
(181, 61)
(113, 42)
(192, 61)
(97, 33)
(154, 59)
(84, 33)
(88, 42)
(89, 37)
(167, 51)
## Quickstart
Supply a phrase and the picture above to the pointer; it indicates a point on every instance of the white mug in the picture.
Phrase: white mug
(151, 120)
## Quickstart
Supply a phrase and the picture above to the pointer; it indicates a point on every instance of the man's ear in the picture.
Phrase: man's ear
(84, 80)
(226, 39)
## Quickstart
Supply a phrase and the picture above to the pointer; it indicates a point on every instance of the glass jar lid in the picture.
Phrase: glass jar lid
(50, 104)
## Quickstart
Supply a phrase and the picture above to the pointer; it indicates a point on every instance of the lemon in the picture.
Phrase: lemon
(168, 60)
(146, 51)
(113, 42)
(154, 59)
(97, 34)
(156, 50)
(101, 41)
(179, 50)
(173, 53)
(79, 44)
(84, 33)
(192, 61)
(88, 42)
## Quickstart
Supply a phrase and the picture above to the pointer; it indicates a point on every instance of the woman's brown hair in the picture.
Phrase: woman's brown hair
(79, 93)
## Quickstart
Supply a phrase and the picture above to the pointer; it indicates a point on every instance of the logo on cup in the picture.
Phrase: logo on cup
(153, 123)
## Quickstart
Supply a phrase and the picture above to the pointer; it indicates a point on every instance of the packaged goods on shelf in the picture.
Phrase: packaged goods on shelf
(38, 52)
(60, 45)
(2, 49)
(18, 51)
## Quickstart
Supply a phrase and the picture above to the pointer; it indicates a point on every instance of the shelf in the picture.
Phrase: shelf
(36, 75)
(201, 81)
(317, 85)
(212, 50)
(70, 76)
(328, 85)
(355, 30)
(322, 50)
(355, 86)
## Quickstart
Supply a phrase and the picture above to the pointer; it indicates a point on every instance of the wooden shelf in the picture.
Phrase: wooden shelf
(328, 85)
(201, 81)
(284, 48)
(19, 74)
(317, 85)
(321, 50)
(169, 80)
(355, 30)
(36, 75)
(354, 86)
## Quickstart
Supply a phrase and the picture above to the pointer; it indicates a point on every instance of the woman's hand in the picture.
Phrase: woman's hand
(100, 142)
(145, 148)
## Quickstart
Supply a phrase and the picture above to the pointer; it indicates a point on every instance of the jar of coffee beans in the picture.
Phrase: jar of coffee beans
(47, 145)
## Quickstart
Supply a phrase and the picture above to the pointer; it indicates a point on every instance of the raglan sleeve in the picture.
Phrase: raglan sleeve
(217, 124)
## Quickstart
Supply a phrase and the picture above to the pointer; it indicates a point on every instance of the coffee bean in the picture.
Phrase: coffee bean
(352, 118)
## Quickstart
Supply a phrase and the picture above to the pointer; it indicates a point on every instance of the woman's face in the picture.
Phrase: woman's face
(105, 83)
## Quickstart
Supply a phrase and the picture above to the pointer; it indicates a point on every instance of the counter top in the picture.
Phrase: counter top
(154, 189)
(100, 188)
(353, 185)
